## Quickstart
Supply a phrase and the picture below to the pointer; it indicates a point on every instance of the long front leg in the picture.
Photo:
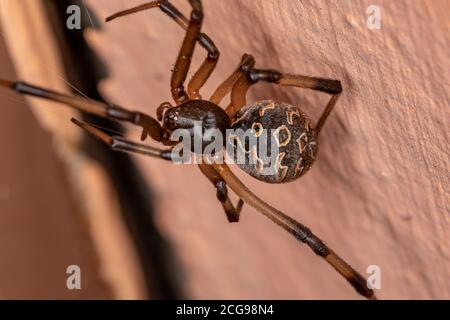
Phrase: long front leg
(123, 145)
(150, 125)
(298, 230)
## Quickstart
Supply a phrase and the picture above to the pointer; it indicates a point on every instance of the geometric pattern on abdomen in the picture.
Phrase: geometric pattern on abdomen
(283, 143)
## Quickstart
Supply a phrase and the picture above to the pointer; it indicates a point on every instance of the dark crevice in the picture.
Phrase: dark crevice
(84, 70)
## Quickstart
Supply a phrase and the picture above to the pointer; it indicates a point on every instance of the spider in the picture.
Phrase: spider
(297, 138)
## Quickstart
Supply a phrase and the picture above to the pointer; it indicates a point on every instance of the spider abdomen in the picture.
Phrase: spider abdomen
(276, 141)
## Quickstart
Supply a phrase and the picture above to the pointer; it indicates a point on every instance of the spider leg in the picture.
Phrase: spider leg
(149, 125)
(184, 58)
(247, 62)
(330, 86)
(123, 145)
(205, 70)
(232, 213)
(203, 73)
(298, 230)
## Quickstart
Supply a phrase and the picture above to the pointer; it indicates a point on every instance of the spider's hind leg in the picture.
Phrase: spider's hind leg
(301, 232)
(329, 86)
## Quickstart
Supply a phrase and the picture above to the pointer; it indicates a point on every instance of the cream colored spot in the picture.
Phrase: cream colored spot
(258, 129)
(299, 168)
(243, 116)
(281, 170)
(311, 149)
(270, 105)
(290, 115)
(302, 142)
(259, 164)
(307, 126)
(276, 135)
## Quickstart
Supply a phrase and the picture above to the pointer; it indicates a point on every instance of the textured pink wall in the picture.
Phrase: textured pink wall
(378, 193)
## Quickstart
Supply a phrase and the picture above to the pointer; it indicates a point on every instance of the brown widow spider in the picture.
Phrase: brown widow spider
(297, 138)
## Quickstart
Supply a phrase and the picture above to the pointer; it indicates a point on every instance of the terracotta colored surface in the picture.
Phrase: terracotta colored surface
(57, 205)
(378, 193)
(41, 229)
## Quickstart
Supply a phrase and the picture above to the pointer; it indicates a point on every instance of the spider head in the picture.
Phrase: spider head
(199, 121)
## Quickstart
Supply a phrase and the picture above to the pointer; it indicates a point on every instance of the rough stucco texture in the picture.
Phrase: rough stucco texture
(378, 193)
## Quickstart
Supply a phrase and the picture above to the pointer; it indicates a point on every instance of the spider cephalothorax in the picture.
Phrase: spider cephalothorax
(294, 135)
(198, 118)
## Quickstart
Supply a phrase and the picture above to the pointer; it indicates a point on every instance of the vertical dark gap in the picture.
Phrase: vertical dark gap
(84, 70)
